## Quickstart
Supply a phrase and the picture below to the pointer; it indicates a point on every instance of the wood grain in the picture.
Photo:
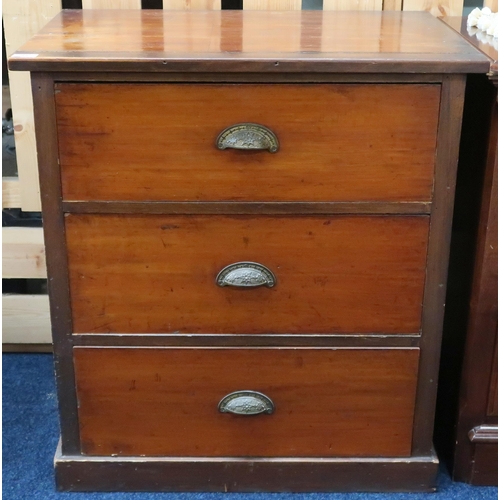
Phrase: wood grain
(191, 4)
(56, 258)
(22, 19)
(322, 156)
(201, 41)
(88, 473)
(437, 8)
(23, 253)
(164, 401)
(242, 208)
(471, 35)
(492, 4)
(156, 274)
(452, 99)
(11, 192)
(111, 4)
(352, 5)
(272, 5)
(492, 410)
(482, 329)
(393, 5)
(231, 340)
(26, 319)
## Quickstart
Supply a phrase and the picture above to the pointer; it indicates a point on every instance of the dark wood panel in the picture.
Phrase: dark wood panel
(329, 402)
(482, 326)
(232, 340)
(459, 24)
(77, 473)
(231, 40)
(42, 87)
(452, 98)
(263, 208)
(492, 410)
(342, 155)
(99, 77)
(156, 274)
(485, 465)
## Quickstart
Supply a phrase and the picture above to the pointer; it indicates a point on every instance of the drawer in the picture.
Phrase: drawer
(157, 273)
(165, 401)
(339, 142)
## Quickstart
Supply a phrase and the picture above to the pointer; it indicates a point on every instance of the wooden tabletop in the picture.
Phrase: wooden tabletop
(459, 24)
(248, 41)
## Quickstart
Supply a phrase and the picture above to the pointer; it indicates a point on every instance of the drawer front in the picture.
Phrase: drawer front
(157, 274)
(327, 402)
(341, 142)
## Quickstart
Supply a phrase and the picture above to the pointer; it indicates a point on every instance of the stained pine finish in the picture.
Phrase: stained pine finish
(344, 402)
(354, 417)
(154, 274)
(157, 142)
(361, 42)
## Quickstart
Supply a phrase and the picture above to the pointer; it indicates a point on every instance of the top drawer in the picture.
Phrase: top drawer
(337, 142)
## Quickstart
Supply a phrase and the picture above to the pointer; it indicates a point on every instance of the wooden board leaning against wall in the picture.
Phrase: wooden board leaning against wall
(26, 319)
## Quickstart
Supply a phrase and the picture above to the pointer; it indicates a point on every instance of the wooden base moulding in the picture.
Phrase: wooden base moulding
(84, 473)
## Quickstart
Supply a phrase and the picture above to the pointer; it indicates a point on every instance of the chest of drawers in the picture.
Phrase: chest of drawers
(247, 236)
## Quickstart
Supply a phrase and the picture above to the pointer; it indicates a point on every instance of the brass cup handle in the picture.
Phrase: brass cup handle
(249, 136)
(246, 275)
(246, 403)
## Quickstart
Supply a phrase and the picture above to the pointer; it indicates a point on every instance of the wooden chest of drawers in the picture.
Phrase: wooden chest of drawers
(247, 244)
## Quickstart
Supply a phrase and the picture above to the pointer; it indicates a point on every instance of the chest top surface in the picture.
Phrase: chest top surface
(248, 41)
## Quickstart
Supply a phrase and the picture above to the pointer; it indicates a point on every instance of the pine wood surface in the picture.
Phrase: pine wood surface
(156, 274)
(22, 19)
(350, 402)
(25, 319)
(23, 253)
(331, 145)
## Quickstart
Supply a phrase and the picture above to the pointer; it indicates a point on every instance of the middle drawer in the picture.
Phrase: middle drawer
(157, 273)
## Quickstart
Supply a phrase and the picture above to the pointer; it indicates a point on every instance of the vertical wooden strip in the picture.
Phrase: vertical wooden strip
(437, 8)
(492, 410)
(56, 258)
(352, 4)
(452, 95)
(23, 253)
(22, 19)
(25, 319)
(11, 192)
(233, 43)
(392, 5)
(492, 4)
(111, 4)
(272, 4)
(191, 4)
(311, 36)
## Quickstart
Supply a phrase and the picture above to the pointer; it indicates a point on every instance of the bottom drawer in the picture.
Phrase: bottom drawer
(165, 401)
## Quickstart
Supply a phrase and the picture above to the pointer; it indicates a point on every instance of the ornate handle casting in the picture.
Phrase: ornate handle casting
(246, 403)
(246, 275)
(248, 136)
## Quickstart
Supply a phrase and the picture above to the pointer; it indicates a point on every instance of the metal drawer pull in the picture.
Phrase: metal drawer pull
(246, 275)
(248, 136)
(246, 403)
